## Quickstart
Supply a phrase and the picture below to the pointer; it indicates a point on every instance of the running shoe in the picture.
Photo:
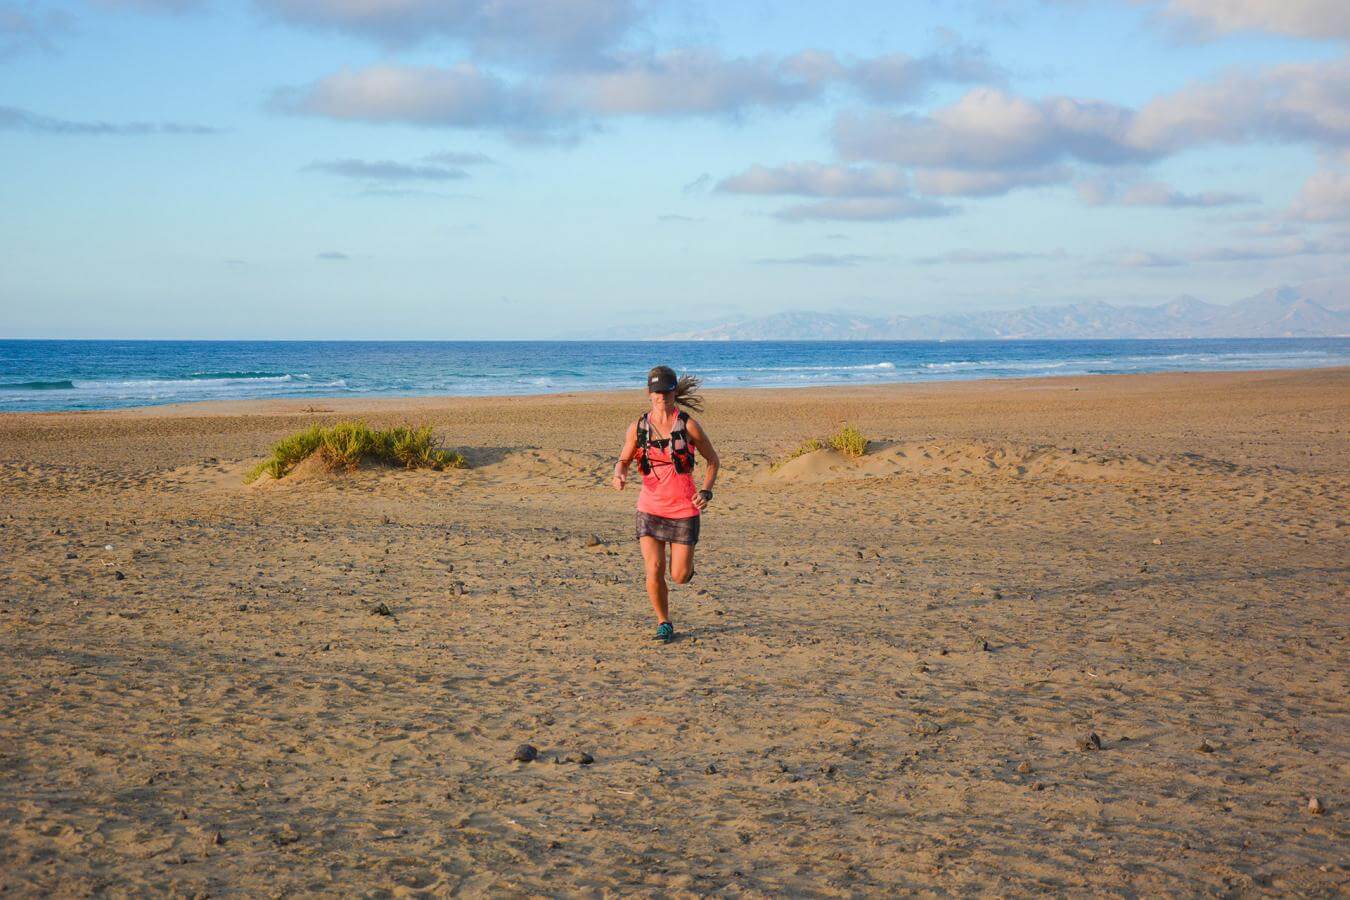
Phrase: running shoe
(665, 632)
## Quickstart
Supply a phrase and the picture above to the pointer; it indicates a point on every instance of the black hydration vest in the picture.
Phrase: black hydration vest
(681, 454)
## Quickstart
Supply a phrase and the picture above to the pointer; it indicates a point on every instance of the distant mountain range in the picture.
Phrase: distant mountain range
(1320, 309)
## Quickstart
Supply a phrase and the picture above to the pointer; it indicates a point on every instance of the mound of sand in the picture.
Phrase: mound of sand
(963, 458)
(313, 470)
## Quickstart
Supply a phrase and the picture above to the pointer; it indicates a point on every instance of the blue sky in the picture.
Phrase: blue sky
(499, 168)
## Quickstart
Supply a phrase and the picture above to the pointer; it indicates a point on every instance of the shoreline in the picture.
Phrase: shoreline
(344, 404)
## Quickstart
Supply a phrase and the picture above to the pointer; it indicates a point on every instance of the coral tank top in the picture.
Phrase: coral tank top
(666, 492)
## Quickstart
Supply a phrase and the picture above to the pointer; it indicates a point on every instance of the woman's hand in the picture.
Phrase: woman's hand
(620, 479)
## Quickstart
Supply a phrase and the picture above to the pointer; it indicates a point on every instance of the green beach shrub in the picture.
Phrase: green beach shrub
(345, 445)
(849, 441)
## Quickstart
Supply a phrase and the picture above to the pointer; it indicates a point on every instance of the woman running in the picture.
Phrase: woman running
(668, 506)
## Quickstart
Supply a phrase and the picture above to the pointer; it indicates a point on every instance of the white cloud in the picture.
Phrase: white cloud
(865, 209)
(689, 82)
(1144, 260)
(991, 129)
(14, 119)
(984, 257)
(986, 182)
(516, 29)
(1107, 192)
(24, 28)
(1298, 18)
(460, 96)
(1325, 197)
(153, 6)
(674, 83)
(1280, 249)
(1293, 102)
(899, 77)
(812, 179)
(386, 170)
(1283, 248)
(819, 260)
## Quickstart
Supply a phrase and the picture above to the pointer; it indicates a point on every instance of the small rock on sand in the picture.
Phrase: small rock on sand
(1315, 806)
(382, 609)
(981, 645)
(119, 576)
(1205, 747)
(284, 835)
(594, 541)
(1157, 540)
(579, 757)
(710, 769)
(926, 728)
(1024, 768)
(525, 753)
(1091, 742)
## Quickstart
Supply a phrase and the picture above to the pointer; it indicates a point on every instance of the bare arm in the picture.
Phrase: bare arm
(699, 438)
(625, 457)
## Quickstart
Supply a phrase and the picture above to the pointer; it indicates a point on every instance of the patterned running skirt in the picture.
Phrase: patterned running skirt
(672, 531)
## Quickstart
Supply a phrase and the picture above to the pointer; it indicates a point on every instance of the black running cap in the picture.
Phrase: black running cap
(661, 381)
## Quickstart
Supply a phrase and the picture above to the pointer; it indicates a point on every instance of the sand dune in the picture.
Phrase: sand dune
(885, 673)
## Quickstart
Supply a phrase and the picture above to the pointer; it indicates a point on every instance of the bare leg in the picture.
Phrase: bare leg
(681, 563)
(654, 555)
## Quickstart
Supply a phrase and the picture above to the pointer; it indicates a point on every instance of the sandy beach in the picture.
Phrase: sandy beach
(887, 678)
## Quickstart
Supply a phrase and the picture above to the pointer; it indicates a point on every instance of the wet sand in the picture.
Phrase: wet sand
(884, 675)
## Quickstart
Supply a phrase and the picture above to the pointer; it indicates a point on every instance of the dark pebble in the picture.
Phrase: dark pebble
(119, 576)
(285, 835)
(525, 753)
(72, 556)
(710, 769)
(382, 609)
(1091, 742)
(579, 757)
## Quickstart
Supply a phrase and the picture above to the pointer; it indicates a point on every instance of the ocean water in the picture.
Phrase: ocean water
(73, 375)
